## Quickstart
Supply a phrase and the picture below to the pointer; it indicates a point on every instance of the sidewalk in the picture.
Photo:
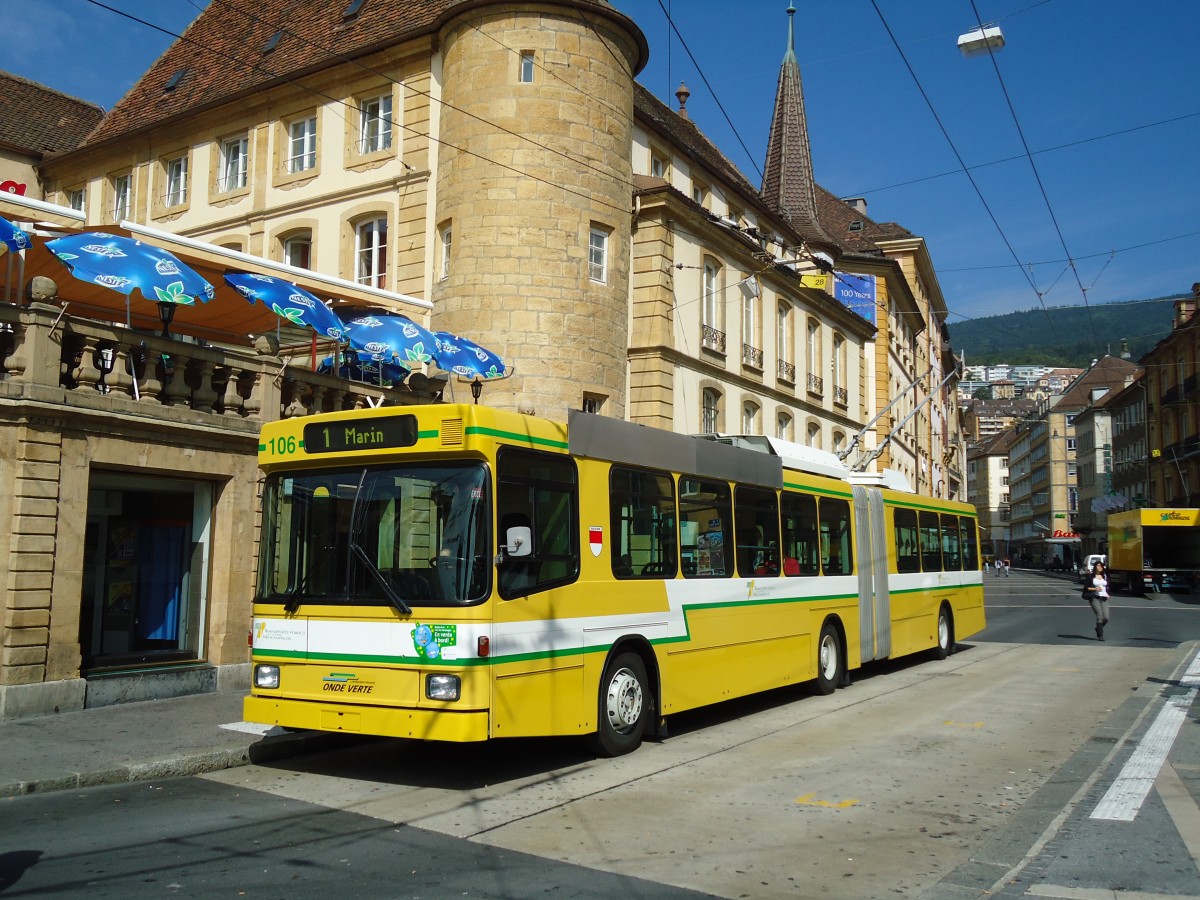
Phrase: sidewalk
(138, 741)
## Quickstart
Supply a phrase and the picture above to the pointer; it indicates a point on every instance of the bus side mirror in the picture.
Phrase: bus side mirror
(518, 541)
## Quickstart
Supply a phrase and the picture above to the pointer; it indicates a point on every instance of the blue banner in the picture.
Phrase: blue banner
(856, 293)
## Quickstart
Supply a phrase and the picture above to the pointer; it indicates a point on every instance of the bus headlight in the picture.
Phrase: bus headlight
(442, 687)
(266, 676)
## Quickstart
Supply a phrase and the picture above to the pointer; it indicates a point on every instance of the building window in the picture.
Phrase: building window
(375, 124)
(711, 411)
(839, 441)
(783, 333)
(233, 164)
(297, 250)
(526, 72)
(370, 252)
(712, 337)
(816, 384)
(598, 255)
(302, 145)
(840, 394)
(700, 193)
(77, 199)
(784, 427)
(750, 317)
(712, 292)
(658, 165)
(814, 434)
(447, 245)
(122, 186)
(177, 173)
(749, 418)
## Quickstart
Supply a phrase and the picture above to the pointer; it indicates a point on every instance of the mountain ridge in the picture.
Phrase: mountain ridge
(1064, 336)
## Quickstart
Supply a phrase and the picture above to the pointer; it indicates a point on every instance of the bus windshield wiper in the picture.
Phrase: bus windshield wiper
(361, 555)
(292, 602)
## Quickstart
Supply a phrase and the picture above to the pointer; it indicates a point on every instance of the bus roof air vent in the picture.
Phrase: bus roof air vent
(452, 432)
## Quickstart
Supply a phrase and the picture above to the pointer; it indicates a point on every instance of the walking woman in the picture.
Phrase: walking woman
(1098, 598)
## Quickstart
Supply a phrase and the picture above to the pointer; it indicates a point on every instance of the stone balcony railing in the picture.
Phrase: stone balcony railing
(53, 360)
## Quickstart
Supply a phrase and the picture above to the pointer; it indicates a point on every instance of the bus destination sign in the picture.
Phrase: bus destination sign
(360, 434)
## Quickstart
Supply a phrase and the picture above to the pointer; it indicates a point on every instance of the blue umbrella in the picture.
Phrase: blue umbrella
(467, 359)
(386, 336)
(13, 237)
(288, 301)
(124, 265)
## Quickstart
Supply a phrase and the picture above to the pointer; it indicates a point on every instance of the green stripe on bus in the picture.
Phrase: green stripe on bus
(517, 437)
(817, 490)
(931, 507)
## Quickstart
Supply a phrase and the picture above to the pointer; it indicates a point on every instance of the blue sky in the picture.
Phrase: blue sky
(1115, 80)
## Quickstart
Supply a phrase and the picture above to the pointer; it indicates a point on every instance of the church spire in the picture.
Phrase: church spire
(788, 185)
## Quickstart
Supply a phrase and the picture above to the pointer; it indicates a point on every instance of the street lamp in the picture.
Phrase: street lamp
(981, 40)
(166, 312)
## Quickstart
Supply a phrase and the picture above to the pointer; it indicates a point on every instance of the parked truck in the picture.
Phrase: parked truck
(1155, 550)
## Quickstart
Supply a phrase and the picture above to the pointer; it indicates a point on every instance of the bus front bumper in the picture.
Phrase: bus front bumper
(419, 724)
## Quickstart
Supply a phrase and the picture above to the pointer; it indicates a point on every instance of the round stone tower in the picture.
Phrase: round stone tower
(534, 194)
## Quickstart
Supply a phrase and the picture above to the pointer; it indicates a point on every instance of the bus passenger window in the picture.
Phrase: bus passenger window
(705, 532)
(756, 524)
(837, 555)
(950, 553)
(801, 544)
(968, 530)
(904, 533)
(931, 551)
(642, 523)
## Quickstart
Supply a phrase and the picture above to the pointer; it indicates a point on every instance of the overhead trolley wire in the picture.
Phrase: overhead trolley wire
(1038, 177)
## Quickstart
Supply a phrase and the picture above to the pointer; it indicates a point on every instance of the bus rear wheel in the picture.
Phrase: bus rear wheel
(624, 705)
(829, 660)
(945, 633)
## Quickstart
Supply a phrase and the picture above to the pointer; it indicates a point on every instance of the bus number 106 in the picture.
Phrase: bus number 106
(281, 445)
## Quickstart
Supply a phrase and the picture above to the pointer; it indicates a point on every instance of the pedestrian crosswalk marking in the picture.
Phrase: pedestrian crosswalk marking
(1125, 797)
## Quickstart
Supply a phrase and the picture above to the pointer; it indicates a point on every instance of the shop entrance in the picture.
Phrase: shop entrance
(145, 571)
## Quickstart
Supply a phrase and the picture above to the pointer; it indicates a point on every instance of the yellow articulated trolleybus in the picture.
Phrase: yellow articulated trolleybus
(458, 573)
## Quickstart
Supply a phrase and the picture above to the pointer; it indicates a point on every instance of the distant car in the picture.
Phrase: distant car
(1089, 562)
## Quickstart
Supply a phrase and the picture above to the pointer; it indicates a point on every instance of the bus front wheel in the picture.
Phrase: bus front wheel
(624, 705)
(829, 659)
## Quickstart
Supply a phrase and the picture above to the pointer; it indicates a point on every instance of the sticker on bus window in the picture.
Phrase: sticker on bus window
(596, 539)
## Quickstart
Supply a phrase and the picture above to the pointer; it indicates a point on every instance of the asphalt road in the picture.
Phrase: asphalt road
(1042, 608)
(935, 779)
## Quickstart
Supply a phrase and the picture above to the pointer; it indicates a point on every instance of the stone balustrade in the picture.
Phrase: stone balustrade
(50, 357)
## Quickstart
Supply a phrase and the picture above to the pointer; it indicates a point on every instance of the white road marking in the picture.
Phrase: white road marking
(1126, 795)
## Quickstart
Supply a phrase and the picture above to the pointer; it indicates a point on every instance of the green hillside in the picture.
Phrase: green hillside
(1063, 335)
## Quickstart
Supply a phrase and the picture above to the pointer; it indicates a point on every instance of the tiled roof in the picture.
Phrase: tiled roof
(37, 120)
(1109, 373)
(834, 215)
(684, 133)
(223, 54)
(839, 219)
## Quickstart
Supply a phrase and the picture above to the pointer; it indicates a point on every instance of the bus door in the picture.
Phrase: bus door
(874, 603)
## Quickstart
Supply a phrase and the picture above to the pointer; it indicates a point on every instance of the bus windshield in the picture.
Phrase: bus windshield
(412, 535)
